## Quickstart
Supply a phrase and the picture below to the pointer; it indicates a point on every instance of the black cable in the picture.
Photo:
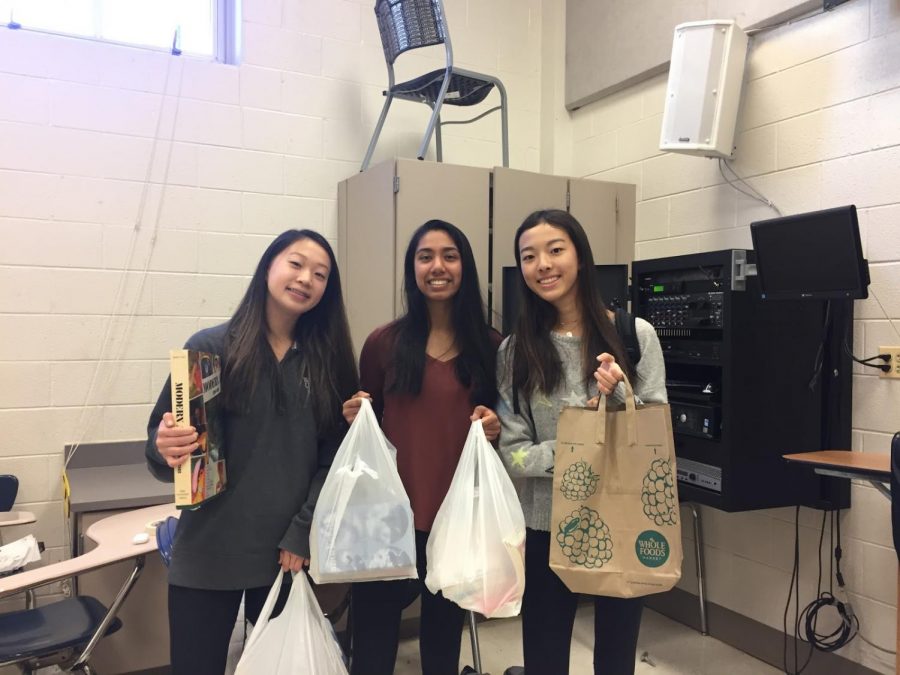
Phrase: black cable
(709, 276)
(848, 625)
(798, 636)
(866, 362)
(838, 553)
(794, 576)
(820, 353)
(754, 31)
(796, 588)
(830, 558)
(810, 615)
(818, 593)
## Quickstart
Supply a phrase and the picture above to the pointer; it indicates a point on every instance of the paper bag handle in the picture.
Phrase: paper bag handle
(630, 415)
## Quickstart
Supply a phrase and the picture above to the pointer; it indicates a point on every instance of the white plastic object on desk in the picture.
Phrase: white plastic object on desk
(140, 538)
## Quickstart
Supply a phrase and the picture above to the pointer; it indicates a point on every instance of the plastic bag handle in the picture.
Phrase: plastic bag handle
(630, 415)
(266, 610)
(359, 468)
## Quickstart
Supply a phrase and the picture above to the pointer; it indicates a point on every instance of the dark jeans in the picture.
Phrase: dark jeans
(201, 623)
(548, 614)
(376, 609)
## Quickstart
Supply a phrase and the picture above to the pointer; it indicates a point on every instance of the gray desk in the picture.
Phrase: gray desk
(872, 467)
(106, 479)
(110, 477)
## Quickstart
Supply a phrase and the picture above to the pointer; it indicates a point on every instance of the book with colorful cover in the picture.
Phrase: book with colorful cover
(196, 402)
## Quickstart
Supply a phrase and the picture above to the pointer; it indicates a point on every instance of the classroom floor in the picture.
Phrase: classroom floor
(671, 647)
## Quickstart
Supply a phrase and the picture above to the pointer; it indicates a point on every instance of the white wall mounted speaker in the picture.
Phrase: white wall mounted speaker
(704, 88)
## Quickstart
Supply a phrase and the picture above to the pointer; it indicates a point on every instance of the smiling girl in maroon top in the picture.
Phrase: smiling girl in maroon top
(428, 375)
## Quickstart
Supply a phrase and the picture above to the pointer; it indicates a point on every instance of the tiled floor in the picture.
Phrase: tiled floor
(672, 649)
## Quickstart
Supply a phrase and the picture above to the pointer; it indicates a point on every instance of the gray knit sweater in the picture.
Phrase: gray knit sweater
(528, 439)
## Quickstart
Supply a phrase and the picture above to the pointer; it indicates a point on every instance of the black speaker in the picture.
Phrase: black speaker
(748, 380)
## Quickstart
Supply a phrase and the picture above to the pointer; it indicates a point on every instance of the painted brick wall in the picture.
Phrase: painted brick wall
(213, 160)
(819, 127)
(137, 191)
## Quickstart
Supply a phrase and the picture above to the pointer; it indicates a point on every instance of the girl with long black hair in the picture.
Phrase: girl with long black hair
(287, 366)
(428, 375)
(563, 348)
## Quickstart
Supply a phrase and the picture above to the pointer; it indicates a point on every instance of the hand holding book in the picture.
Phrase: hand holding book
(175, 444)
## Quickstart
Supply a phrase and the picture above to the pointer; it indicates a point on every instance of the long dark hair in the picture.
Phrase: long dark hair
(322, 335)
(476, 363)
(535, 362)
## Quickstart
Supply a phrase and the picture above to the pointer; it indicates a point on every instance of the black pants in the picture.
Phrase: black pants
(376, 609)
(548, 614)
(201, 623)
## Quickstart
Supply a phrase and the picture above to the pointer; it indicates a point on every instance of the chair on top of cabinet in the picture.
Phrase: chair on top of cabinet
(410, 24)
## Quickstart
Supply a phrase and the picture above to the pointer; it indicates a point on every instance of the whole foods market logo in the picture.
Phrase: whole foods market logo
(652, 548)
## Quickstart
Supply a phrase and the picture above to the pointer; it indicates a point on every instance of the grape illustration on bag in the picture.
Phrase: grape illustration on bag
(579, 481)
(613, 471)
(585, 539)
(658, 494)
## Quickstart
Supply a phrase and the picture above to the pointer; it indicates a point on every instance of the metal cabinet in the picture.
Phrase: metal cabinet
(379, 209)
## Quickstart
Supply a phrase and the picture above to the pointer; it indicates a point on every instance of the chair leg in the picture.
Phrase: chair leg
(384, 111)
(435, 115)
(82, 661)
(504, 123)
(438, 143)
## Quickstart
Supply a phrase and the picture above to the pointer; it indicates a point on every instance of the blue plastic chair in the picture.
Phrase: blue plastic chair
(9, 488)
(62, 633)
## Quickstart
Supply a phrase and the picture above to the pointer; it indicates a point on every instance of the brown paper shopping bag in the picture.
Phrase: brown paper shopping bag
(615, 528)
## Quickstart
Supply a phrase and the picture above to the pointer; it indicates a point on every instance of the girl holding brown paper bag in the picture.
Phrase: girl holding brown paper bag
(429, 374)
(551, 361)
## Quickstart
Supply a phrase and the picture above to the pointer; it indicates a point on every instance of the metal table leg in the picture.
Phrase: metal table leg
(473, 634)
(698, 552)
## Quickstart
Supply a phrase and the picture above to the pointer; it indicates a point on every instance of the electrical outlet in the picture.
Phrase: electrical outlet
(894, 363)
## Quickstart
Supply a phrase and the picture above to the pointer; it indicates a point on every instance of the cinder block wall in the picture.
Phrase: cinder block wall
(819, 127)
(137, 191)
(211, 161)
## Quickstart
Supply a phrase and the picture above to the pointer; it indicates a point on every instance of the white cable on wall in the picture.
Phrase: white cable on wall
(753, 194)
(89, 412)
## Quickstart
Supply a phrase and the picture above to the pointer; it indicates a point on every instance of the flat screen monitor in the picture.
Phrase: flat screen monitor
(612, 280)
(816, 255)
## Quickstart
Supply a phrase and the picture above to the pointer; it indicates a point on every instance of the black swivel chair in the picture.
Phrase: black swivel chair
(410, 24)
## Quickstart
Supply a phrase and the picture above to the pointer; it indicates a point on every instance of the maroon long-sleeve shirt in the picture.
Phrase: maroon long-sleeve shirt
(428, 429)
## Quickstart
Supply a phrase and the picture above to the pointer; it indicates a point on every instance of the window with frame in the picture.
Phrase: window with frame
(197, 27)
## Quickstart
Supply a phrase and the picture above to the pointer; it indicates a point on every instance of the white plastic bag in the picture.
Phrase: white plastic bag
(476, 549)
(298, 641)
(19, 553)
(362, 528)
